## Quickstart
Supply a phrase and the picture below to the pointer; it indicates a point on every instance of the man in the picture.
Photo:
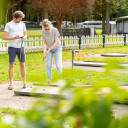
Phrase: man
(16, 30)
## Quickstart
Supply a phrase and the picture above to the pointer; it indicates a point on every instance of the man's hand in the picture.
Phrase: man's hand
(17, 37)
(22, 39)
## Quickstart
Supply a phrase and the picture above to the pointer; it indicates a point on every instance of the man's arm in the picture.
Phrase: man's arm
(5, 36)
(24, 37)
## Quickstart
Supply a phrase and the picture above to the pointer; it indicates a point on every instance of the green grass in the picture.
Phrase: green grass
(10, 111)
(98, 31)
(30, 33)
(77, 76)
(34, 61)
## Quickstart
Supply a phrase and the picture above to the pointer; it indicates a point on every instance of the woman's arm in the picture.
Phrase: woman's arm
(45, 46)
(55, 43)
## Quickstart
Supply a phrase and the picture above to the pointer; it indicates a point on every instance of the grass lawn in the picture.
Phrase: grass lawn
(77, 76)
(34, 61)
(30, 33)
(98, 31)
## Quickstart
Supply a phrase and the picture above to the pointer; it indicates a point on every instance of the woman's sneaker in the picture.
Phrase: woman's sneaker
(25, 86)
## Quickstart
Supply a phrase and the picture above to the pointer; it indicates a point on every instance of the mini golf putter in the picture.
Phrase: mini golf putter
(21, 50)
(41, 65)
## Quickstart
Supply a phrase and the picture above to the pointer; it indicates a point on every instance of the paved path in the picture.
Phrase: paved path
(8, 99)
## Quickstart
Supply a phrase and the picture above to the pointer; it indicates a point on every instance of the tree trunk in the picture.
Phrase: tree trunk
(59, 22)
(45, 13)
(66, 22)
(12, 13)
(107, 19)
(103, 22)
(19, 6)
(38, 21)
(27, 16)
(7, 12)
(0, 17)
(75, 21)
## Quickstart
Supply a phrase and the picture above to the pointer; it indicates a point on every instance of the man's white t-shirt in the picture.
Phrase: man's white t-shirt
(15, 29)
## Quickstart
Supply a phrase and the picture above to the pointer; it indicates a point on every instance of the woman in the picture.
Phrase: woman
(52, 46)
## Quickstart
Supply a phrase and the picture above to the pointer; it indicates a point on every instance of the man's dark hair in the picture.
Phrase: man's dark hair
(18, 14)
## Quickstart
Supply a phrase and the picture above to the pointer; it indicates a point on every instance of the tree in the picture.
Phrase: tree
(110, 9)
(119, 8)
(107, 17)
(100, 11)
(12, 5)
(3, 10)
(102, 7)
(61, 7)
(38, 5)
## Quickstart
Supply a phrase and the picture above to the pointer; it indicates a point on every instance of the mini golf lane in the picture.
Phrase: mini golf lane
(114, 54)
(40, 91)
(93, 63)
(54, 92)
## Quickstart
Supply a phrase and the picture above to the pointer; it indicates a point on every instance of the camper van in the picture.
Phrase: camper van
(97, 24)
(92, 24)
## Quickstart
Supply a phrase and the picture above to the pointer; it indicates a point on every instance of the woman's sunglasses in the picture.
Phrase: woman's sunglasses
(47, 29)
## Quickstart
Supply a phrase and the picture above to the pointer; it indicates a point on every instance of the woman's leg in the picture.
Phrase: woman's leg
(58, 59)
(49, 60)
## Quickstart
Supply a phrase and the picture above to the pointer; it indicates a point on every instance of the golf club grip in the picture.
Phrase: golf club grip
(21, 44)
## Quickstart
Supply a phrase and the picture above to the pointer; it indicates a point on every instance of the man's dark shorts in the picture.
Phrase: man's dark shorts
(13, 52)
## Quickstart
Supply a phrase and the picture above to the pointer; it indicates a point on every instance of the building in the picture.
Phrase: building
(122, 25)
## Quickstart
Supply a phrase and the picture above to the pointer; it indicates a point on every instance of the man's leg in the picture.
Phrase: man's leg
(12, 55)
(21, 56)
(11, 65)
(23, 72)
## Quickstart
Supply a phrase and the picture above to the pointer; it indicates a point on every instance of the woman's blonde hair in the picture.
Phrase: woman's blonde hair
(46, 23)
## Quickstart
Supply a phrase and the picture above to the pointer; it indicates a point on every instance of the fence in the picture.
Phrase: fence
(36, 44)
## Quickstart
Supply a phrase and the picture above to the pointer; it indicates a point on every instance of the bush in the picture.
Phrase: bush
(82, 107)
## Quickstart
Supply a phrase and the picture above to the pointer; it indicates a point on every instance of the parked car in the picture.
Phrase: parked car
(30, 24)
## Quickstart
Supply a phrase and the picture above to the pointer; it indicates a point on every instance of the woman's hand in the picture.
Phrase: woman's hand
(44, 55)
(47, 52)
